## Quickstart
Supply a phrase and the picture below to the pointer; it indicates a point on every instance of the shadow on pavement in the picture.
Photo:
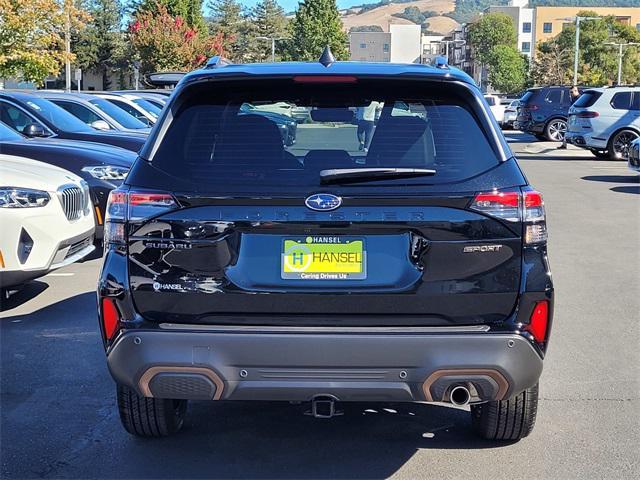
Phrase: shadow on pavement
(613, 178)
(627, 189)
(59, 419)
(27, 292)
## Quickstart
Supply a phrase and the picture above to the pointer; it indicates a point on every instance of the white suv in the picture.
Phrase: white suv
(46, 219)
(605, 121)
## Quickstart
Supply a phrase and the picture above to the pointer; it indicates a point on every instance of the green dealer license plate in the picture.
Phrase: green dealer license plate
(323, 258)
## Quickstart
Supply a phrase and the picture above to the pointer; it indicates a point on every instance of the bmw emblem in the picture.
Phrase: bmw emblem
(323, 202)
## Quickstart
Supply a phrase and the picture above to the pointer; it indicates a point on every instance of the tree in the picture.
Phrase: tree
(164, 42)
(268, 20)
(189, 10)
(32, 37)
(508, 72)
(491, 30)
(315, 25)
(551, 65)
(228, 18)
(100, 47)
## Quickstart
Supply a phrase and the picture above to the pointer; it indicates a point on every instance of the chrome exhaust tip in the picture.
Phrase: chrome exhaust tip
(459, 395)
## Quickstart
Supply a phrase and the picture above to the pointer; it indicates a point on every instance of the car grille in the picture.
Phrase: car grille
(74, 200)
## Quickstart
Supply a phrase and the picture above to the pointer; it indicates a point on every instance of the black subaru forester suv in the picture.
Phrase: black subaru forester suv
(395, 253)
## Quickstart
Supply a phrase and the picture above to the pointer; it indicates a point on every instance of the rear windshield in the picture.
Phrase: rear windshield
(587, 99)
(222, 139)
(528, 96)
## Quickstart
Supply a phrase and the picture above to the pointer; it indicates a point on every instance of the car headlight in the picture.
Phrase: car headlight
(16, 197)
(107, 172)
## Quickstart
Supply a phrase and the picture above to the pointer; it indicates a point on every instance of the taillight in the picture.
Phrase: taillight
(539, 321)
(513, 206)
(587, 114)
(132, 206)
(110, 318)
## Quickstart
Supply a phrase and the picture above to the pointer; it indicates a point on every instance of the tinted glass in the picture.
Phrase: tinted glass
(131, 110)
(621, 100)
(78, 111)
(58, 116)
(238, 141)
(7, 134)
(147, 106)
(15, 117)
(118, 114)
(490, 100)
(587, 99)
(528, 96)
(554, 96)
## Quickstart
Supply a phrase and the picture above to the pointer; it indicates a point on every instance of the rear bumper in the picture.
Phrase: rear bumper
(586, 141)
(276, 364)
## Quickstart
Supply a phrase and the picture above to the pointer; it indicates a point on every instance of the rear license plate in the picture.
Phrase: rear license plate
(323, 258)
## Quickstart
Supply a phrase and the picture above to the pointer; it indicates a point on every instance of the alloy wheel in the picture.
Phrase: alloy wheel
(622, 142)
(557, 130)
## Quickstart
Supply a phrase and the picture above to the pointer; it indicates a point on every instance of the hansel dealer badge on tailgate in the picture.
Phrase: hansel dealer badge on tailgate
(323, 258)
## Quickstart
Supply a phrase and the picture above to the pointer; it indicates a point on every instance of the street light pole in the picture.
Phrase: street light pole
(67, 47)
(577, 46)
(273, 45)
(620, 51)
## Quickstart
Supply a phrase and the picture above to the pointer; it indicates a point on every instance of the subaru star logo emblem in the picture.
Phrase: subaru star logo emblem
(323, 202)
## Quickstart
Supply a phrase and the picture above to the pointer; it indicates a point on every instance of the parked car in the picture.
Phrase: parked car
(139, 108)
(96, 112)
(605, 121)
(497, 108)
(237, 268)
(46, 219)
(151, 96)
(287, 126)
(633, 156)
(103, 167)
(544, 111)
(34, 116)
(511, 114)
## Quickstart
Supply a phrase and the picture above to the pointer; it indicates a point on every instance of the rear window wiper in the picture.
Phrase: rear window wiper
(356, 175)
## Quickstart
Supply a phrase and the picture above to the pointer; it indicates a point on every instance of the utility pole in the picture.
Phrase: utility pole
(577, 46)
(620, 52)
(67, 46)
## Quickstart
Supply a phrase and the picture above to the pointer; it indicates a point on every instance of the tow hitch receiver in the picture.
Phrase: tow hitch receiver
(324, 406)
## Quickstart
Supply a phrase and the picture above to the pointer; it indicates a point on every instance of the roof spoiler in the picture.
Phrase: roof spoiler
(217, 62)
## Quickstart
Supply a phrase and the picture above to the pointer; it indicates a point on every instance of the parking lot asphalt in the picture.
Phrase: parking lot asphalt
(59, 418)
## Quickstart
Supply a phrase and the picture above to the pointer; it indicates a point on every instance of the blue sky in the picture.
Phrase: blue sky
(291, 5)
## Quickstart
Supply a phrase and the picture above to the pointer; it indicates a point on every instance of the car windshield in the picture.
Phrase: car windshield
(527, 96)
(56, 115)
(232, 139)
(587, 99)
(8, 134)
(490, 100)
(147, 106)
(119, 115)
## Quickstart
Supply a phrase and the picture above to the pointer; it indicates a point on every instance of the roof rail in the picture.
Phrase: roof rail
(441, 62)
(217, 62)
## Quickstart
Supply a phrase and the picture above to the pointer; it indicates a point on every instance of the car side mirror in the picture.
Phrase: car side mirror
(33, 130)
(100, 125)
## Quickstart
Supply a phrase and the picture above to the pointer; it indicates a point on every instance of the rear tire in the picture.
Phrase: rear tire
(149, 417)
(619, 144)
(510, 419)
(555, 130)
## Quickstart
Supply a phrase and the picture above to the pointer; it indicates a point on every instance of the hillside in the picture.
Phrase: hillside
(384, 15)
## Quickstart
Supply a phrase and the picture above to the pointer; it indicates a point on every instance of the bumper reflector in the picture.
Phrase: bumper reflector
(110, 317)
(539, 320)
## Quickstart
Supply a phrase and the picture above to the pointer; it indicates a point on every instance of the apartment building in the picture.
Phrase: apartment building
(523, 21)
(401, 44)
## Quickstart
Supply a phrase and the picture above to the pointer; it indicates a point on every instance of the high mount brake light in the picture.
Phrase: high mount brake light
(324, 79)
(514, 206)
(132, 206)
